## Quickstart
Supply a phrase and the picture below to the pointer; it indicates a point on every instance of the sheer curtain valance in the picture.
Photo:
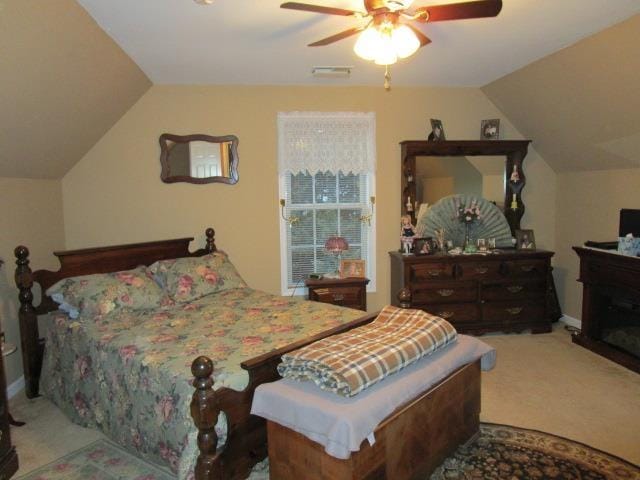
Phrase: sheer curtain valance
(326, 141)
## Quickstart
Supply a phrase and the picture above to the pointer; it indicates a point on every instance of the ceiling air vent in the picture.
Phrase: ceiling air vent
(331, 71)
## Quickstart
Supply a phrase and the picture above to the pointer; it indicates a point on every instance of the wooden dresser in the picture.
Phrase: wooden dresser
(504, 292)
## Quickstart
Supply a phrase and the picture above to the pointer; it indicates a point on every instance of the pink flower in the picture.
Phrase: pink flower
(128, 352)
(164, 408)
(211, 277)
(184, 285)
(113, 461)
(61, 467)
(164, 338)
(83, 366)
(80, 405)
(125, 298)
(96, 454)
(252, 340)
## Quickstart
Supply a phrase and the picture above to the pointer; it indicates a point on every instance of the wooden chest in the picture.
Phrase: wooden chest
(479, 293)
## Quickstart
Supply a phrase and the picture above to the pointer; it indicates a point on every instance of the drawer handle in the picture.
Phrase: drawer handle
(445, 315)
(433, 273)
(338, 297)
(482, 270)
(515, 310)
(515, 288)
(527, 268)
(445, 292)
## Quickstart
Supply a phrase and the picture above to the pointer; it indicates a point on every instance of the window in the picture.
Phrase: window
(327, 178)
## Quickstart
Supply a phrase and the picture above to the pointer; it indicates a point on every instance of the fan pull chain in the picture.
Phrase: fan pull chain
(387, 78)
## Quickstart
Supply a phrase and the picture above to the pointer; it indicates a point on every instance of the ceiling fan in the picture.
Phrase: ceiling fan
(390, 32)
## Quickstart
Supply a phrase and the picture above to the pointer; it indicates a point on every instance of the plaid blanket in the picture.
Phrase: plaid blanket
(352, 361)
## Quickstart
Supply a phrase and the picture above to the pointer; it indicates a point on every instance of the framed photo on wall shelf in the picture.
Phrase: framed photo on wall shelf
(525, 240)
(490, 129)
(352, 269)
(437, 131)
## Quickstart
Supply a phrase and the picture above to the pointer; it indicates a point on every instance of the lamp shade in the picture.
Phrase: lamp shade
(336, 244)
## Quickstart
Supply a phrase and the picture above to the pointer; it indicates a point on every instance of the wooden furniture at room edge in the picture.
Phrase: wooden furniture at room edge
(346, 292)
(8, 455)
(605, 277)
(478, 294)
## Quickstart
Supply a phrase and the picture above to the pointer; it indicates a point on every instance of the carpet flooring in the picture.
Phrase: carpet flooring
(541, 382)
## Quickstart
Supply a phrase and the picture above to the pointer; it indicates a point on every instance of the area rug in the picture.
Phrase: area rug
(503, 452)
(500, 452)
(102, 460)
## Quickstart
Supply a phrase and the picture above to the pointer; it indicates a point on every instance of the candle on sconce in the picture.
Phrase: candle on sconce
(514, 202)
(409, 205)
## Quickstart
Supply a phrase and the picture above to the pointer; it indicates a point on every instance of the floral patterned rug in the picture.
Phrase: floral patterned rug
(102, 460)
(503, 452)
(500, 452)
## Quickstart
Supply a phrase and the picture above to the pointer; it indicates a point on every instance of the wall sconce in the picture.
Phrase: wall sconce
(366, 218)
(291, 219)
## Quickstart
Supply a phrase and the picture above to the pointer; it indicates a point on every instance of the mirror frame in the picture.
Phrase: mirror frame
(164, 140)
(514, 150)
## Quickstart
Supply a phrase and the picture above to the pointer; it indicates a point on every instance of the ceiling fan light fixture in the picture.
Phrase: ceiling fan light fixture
(386, 54)
(368, 44)
(405, 41)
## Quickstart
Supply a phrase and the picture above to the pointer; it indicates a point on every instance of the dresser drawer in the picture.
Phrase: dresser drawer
(526, 268)
(444, 292)
(483, 270)
(455, 313)
(514, 289)
(431, 271)
(513, 312)
(344, 296)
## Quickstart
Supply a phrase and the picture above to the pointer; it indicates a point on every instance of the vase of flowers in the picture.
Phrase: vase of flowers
(468, 215)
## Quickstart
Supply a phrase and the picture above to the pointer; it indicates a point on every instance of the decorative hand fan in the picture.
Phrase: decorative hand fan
(443, 214)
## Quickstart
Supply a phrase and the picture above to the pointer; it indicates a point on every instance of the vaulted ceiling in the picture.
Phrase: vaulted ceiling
(68, 74)
(64, 84)
(581, 105)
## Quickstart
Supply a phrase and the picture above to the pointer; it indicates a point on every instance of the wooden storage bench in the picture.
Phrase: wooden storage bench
(409, 444)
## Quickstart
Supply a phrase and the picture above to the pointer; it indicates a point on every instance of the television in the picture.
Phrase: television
(629, 222)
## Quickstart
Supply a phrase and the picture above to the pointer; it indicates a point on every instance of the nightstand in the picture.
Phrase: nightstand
(346, 292)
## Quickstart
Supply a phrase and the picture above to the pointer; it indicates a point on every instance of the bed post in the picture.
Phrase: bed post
(404, 298)
(211, 240)
(28, 319)
(205, 411)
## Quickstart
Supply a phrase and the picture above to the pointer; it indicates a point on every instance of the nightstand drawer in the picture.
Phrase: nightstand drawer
(345, 292)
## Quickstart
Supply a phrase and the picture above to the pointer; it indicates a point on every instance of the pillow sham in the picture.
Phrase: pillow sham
(189, 278)
(103, 293)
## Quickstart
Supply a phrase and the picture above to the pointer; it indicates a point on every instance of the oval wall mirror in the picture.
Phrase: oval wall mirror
(199, 158)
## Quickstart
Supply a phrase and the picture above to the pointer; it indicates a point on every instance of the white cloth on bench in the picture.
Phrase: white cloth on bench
(341, 424)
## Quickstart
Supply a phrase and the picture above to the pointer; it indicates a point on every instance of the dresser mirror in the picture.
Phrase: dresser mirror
(490, 169)
(199, 158)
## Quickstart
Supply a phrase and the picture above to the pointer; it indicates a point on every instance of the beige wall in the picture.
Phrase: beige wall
(114, 194)
(64, 81)
(588, 209)
(31, 215)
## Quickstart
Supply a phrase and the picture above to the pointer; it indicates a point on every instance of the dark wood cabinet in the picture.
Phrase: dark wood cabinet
(346, 292)
(504, 292)
(8, 456)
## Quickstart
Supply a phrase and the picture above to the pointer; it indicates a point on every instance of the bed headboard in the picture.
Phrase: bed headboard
(82, 262)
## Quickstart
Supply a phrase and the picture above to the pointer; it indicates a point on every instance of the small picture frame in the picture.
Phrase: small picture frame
(423, 246)
(482, 245)
(490, 129)
(352, 268)
(437, 131)
(525, 240)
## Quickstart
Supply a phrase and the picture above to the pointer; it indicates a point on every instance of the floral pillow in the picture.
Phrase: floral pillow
(103, 293)
(189, 278)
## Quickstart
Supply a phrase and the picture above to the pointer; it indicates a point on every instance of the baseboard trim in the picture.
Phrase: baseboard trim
(572, 322)
(15, 388)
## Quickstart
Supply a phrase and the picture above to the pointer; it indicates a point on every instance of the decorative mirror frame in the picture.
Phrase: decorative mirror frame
(514, 150)
(164, 140)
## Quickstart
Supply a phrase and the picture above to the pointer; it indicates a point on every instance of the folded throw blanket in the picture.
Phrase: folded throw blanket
(352, 361)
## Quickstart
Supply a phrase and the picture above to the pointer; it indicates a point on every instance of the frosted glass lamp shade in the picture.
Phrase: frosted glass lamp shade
(404, 41)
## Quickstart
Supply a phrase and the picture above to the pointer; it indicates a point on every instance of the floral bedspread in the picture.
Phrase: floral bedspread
(128, 373)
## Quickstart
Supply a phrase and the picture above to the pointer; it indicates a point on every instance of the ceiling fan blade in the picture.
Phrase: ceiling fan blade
(424, 40)
(318, 9)
(337, 36)
(460, 11)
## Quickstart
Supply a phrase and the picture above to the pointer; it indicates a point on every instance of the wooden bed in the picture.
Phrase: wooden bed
(246, 434)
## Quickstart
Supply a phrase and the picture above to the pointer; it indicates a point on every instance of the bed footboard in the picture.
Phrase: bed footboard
(246, 434)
